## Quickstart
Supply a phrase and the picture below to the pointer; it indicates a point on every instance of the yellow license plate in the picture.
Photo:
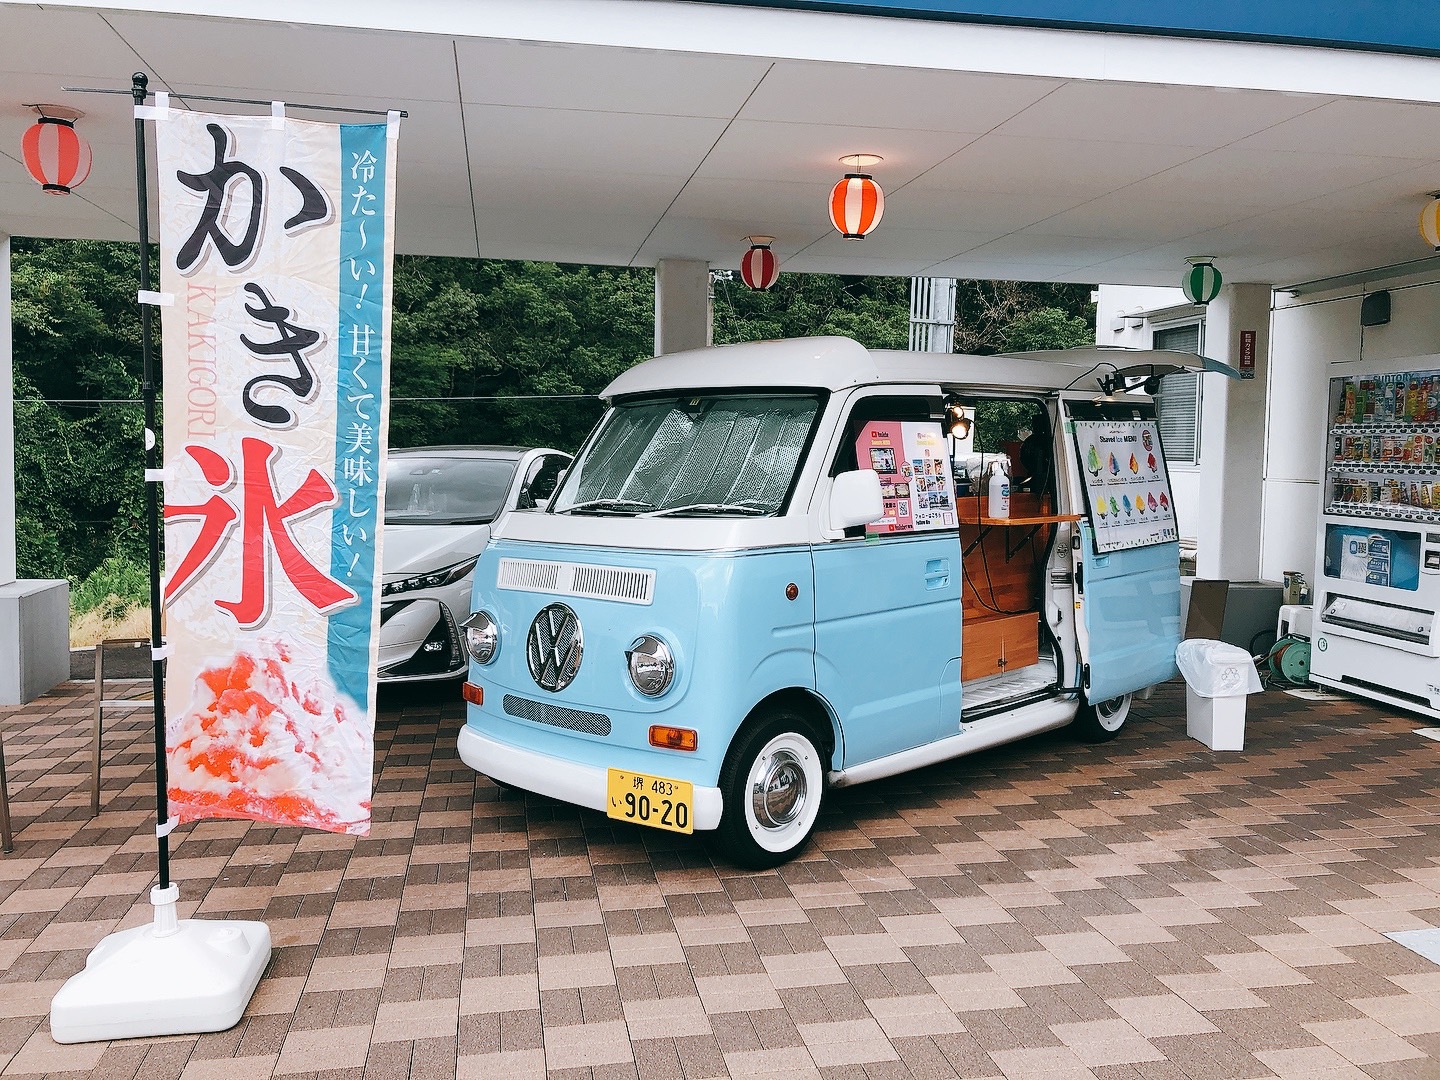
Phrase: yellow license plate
(651, 800)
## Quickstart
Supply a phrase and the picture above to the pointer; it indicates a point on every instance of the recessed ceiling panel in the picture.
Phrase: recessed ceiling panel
(552, 76)
(810, 153)
(882, 97)
(1067, 167)
(1364, 128)
(1264, 177)
(1167, 115)
(587, 142)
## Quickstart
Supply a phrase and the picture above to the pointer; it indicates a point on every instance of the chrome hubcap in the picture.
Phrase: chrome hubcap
(779, 794)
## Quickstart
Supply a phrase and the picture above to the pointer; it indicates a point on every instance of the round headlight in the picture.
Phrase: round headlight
(482, 637)
(651, 665)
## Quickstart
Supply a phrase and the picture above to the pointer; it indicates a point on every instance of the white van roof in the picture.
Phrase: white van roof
(836, 363)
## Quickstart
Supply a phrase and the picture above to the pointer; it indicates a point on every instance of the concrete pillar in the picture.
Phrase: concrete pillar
(1232, 437)
(34, 615)
(682, 305)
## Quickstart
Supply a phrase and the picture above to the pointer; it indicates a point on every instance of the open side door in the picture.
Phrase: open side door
(1127, 551)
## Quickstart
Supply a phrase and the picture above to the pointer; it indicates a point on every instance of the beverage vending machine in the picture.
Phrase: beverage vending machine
(1377, 581)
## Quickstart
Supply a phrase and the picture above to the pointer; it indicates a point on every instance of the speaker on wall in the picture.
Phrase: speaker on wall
(1375, 308)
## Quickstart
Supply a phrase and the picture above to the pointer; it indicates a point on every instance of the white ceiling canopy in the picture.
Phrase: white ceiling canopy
(625, 131)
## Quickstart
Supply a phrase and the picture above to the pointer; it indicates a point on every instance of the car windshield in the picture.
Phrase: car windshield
(700, 455)
(421, 489)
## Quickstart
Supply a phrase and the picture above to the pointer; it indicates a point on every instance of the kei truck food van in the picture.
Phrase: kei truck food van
(775, 568)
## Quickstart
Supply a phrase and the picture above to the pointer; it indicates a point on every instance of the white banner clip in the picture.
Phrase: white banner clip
(159, 299)
(159, 111)
(392, 124)
(159, 652)
(154, 476)
(164, 830)
(277, 114)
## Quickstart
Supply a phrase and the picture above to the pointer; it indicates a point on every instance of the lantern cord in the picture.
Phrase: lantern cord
(403, 113)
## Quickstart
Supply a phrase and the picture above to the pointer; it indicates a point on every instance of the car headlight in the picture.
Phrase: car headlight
(651, 665)
(482, 637)
(447, 575)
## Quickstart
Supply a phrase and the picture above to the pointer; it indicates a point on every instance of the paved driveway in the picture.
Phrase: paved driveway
(1055, 910)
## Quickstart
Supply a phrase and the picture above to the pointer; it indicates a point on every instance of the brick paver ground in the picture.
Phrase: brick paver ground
(1146, 908)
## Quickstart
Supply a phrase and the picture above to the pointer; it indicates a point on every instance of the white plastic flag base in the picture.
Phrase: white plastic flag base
(174, 977)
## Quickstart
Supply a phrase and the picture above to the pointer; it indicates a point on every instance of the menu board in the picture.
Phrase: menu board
(1126, 484)
(914, 469)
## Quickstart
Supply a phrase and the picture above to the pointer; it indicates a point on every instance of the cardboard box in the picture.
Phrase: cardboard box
(1217, 722)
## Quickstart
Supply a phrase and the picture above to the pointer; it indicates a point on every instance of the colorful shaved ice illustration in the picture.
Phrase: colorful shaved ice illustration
(1151, 462)
(272, 739)
(1125, 502)
(1164, 501)
(1153, 504)
(1134, 465)
(1115, 506)
(1114, 465)
(1093, 461)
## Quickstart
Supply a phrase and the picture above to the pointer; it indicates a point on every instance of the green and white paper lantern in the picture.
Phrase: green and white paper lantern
(1201, 281)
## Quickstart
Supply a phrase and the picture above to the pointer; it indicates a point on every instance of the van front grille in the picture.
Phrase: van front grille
(539, 712)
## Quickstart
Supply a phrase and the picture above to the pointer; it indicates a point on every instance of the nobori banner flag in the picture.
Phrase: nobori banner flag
(275, 252)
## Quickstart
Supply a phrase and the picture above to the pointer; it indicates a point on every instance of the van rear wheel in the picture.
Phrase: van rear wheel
(1101, 721)
(772, 783)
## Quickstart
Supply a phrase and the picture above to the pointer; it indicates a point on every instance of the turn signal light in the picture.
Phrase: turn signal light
(475, 695)
(672, 738)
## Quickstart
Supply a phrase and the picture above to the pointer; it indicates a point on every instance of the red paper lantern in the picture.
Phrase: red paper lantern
(57, 157)
(856, 205)
(759, 268)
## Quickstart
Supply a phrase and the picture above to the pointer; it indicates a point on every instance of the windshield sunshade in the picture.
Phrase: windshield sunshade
(441, 490)
(701, 456)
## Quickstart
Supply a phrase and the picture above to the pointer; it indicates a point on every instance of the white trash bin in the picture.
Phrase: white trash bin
(1218, 676)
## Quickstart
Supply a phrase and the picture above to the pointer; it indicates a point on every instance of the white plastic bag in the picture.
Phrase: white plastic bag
(1217, 669)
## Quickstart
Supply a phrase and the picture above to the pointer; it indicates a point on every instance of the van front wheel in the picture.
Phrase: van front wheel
(1101, 721)
(772, 783)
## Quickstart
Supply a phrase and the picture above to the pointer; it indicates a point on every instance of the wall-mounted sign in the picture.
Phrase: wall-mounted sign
(1247, 354)
(914, 469)
(1126, 484)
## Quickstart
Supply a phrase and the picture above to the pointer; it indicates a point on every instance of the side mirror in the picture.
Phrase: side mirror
(855, 499)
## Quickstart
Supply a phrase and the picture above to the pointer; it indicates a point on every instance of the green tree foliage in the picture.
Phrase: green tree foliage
(78, 468)
(466, 329)
(874, 311)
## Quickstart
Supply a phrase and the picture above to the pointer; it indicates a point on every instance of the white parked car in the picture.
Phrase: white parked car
(440, 502)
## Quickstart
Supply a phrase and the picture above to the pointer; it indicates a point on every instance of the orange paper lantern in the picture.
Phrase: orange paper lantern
(57, 157)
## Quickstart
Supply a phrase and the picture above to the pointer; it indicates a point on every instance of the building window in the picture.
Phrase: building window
(1178, 402)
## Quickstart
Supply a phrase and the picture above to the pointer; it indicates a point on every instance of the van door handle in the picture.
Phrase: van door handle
(937, 574)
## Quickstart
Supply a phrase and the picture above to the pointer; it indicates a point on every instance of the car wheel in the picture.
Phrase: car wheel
(772, 783)
(1101, 721)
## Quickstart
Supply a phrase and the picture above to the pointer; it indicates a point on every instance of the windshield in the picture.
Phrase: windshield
(445, 490)
(699, 455)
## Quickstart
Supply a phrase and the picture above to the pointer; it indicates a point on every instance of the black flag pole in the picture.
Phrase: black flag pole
(139, 83)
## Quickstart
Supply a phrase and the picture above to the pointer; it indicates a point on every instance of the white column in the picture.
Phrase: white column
(682, 305)
(7, 423)
(1232, 437)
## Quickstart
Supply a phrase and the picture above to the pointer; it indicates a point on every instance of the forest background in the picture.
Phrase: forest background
(483, 351)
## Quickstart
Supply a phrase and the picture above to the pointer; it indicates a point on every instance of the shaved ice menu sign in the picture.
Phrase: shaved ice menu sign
(1126, 484)
(275, 249)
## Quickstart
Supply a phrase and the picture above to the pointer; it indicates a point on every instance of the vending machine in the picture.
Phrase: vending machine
(1378, 559)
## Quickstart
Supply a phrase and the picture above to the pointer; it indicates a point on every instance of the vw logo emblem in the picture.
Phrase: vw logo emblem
(553, 647)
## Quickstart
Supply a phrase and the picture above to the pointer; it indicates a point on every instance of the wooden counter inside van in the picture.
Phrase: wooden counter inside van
(1003, 584)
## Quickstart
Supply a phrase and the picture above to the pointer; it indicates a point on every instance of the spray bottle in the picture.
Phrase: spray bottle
(999, 492)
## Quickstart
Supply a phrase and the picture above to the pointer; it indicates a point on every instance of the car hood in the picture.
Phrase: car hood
(422, 549)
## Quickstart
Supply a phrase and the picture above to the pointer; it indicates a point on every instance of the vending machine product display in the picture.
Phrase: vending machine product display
(1378, 573)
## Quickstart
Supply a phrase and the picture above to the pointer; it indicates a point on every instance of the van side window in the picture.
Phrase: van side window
(879, 407)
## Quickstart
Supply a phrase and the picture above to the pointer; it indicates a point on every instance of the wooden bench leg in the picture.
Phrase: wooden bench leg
(7, 842)
(97, 748)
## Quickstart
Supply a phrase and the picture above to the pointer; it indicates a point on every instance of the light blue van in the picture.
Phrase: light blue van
(765, 575)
